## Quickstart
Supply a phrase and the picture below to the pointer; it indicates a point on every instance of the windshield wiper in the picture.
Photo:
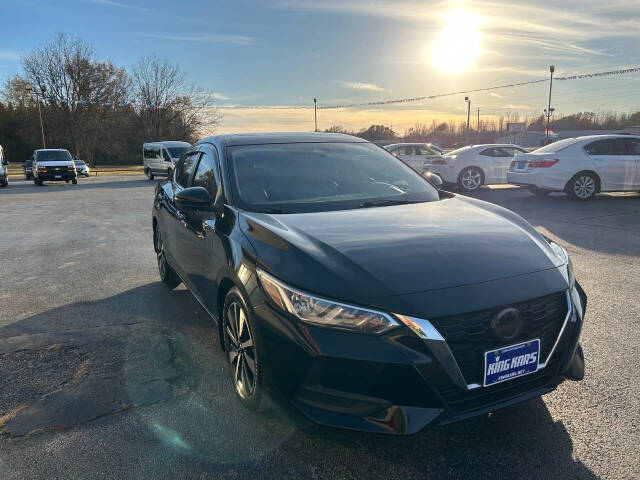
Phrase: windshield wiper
(382, 203)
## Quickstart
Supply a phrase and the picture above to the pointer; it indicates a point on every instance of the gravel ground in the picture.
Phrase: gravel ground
(105, 373)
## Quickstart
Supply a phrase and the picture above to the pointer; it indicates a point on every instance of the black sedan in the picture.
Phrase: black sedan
(343, 280)
(28, 169)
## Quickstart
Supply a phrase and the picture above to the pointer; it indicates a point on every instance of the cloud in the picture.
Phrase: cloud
(205, 38)
(494, 94)
(370, 87)
(8, 55)
(127, 6)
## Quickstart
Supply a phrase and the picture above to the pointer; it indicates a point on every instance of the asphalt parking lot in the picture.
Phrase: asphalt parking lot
(105, 373)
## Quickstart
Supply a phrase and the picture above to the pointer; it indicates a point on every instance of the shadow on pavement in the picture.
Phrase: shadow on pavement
(140, 374)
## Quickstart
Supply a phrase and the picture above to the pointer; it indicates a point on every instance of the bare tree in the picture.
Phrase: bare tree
(78, 92)
(170, 107)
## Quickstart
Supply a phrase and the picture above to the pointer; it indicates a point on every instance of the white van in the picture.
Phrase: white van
(159, 158)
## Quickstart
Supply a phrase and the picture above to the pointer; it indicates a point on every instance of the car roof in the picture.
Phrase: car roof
(281, 137)
(602, 137)
(170, 143)
(52, 150)
(407, 144)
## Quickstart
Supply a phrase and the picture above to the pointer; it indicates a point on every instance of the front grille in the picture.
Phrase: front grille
(470, 335)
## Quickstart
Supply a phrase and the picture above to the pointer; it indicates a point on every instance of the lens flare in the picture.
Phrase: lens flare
(458, 44)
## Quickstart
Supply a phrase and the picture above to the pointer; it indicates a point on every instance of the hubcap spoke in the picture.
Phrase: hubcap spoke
(237, 372)
(247, 343)
(233, 356)
(250, 363)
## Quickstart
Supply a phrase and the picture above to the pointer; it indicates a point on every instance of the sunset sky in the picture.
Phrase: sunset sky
(284, 53)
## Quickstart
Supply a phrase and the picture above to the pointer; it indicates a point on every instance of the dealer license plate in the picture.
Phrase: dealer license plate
(511, 362)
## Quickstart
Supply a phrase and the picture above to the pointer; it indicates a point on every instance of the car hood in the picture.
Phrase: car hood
(397, 250)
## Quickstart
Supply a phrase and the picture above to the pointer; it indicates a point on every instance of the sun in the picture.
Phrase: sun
(458, 44)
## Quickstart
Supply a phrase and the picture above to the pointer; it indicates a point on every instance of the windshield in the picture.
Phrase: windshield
(314, 177)
(556, 146)
(78, 162)
(176, 152)
(53, 155)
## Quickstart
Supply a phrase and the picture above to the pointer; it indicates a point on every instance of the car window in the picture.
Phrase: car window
(425, 150)
(207, 173)
(166, 156)
(512, 151)
(53, 155)
(611, 146)
(185, 169)
(633, 145)
(315, 177)
(489, 152)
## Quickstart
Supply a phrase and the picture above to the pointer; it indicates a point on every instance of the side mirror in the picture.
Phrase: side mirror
(193, 198)
(435, 180)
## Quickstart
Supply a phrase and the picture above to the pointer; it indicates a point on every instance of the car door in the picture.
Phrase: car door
(174, 236)
(633, 146)
(614, 163)
(167, 163)
(411, 156)
(488, 160)
(202, 237)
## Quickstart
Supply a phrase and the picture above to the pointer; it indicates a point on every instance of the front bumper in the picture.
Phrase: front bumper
(56, 176)
(397, 382)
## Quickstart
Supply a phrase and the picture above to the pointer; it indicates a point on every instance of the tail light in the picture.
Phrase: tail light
(513, 163)
(543, 163)
(439, 161)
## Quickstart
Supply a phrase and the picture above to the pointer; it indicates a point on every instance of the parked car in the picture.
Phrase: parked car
(473, 166)
(343, 279)
(81, 167)
(416, 155)
(53, 165)
(4, 174)
(581, 166)
(27, 168)
(159, 158)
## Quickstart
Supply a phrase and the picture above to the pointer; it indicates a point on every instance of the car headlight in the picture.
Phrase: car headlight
(562, 254)
(323, 312)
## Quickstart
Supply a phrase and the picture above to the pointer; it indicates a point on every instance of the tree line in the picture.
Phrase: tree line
(452, 134)
(99, 111)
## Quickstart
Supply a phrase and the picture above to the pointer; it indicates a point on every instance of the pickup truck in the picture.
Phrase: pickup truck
(53, 165)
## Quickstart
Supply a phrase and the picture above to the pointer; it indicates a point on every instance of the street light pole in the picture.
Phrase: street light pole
(551, 69)
(29, 89)
(478, 136)
(466, 99)
(315, 112)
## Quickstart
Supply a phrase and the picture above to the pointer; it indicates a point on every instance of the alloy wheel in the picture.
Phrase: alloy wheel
(584, 187)
(471, 179)
(241, 350)
(162, 264)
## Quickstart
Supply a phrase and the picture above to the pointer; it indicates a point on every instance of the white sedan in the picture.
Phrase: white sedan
(581, 166)
(416, 155)
(475, 165)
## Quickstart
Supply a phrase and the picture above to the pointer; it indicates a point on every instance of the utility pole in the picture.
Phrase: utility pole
(549, 110)
(466, 99)
(315, 112)
(478, 136)
(29, 89)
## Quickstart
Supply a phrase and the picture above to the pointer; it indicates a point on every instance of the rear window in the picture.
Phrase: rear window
(53, 155)
(557, 146)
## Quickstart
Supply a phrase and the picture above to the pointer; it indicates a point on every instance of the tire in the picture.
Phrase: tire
(35, 181)
(583, 186)
(167, 274)
(149, 174)
(74, 181)
(66, 181)
(4, 182)
(39, 182)
(470, 179)
(244, 349)
(540, 192)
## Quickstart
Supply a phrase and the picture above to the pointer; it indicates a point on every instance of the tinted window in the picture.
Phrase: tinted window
(425, 150)
(151, 152)
(177, 152)
(185, 169)
(53, 155)
(312, 177)
(166, 155)
(612, 146)
(511, 151)
(206, 175)
(490, 152)
(633, 145)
